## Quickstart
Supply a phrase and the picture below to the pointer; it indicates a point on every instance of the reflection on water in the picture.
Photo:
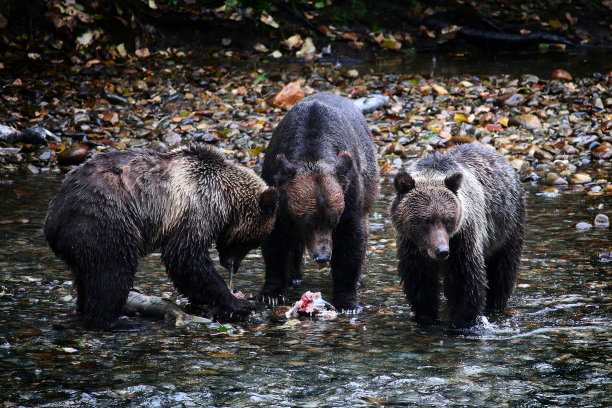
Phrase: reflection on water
(552, 347)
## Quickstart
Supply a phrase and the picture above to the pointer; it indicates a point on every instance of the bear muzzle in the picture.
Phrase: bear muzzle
(320, 248)
(437, 244)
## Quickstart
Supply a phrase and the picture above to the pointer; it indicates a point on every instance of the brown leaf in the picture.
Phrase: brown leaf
(288, 96)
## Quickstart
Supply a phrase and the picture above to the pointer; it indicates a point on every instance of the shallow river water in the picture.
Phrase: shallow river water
(551, 348)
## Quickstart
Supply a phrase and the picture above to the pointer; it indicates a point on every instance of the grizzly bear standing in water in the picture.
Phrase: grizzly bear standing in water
(321, 159)
(460, 215)
(124, 204)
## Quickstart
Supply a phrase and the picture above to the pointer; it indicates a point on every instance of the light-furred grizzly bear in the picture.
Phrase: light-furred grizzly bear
(460, 215)
(321, 159)
(122, 205)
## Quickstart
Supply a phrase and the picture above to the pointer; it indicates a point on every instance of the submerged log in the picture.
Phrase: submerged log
(153, 306)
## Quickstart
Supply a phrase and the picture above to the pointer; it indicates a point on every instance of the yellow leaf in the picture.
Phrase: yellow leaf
(459, 117)
(503, 121)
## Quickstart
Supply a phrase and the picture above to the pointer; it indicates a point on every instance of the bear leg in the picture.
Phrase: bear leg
(420, 284)
(296, 266)
(103, 263)
(349, 245)
(193, 274)
(465, 282)
(282, 255)
(502, 269)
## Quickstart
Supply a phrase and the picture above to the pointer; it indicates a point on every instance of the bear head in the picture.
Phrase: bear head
(250, 224)
(314, 201)
(427, 213)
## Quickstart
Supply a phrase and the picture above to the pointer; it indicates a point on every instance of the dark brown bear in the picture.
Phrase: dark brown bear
(122, 205)
(460, 215)
(321, 159)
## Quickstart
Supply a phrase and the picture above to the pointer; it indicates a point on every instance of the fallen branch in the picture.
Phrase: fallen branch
(32, 135)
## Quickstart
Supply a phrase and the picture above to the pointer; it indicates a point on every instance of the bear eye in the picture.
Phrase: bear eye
(448, 223)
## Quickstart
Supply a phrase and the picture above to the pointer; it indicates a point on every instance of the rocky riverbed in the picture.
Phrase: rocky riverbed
(550, 128)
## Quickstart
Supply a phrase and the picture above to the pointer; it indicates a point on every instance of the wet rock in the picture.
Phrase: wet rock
(583, 226)
(31, 169)
(603, 151)
(561, 75)
(580, 178)
(172, 138)
(519, 164)
(75, 154)
(527, 121)
(550, 192)
(601, 221)
(539, 153)
(371, 103)
(141, 85)
(80, 119)
(564, 130)
(511, 99)
(554, 179)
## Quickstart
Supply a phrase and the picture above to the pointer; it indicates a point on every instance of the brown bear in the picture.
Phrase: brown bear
(122, 205)
(460, 215)
(321, 159)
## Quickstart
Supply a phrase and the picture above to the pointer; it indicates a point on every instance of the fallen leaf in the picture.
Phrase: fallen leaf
(294, 41)
(288, 96)
(269, 20)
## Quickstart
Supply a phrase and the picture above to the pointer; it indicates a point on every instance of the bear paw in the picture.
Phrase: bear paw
(272, 296)
(277, 300)
(233, 310)
(347, 305)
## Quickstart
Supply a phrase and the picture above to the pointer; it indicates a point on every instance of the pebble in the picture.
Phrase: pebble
(172, 138)
(550, 192)
(527, 121)
(75, 154)
(581, 178)
(602, 221)
(554, 179)
(603, 151)
(513, 99)
(583, 225)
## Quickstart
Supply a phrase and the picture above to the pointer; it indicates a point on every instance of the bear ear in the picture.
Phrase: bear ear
(268, 201)
(403, 182)
(453, 182)
(342, 167)
(286, 170)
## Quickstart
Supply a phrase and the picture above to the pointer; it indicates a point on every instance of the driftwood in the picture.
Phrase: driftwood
(32, 135)
(153, 306)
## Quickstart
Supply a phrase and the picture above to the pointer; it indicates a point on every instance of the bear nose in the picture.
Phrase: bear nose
(322, 258)
(442, 252)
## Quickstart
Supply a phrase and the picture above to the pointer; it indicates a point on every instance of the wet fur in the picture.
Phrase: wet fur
(122, 205)
(321, 158)
(487, 215)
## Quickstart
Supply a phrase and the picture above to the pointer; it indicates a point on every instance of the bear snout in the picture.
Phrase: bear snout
(441, 253)
(322, 259)
(321, 248)
(437, 245)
